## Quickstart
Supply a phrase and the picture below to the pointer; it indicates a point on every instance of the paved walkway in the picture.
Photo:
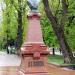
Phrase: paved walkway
(54, 70)
(8, 70)
(9, 59)
(56, 53)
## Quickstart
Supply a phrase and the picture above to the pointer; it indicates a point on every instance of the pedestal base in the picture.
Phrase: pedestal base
(34, 59)
(30, 66)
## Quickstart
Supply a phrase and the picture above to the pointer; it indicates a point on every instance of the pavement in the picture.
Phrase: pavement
(56, 52)
(9, 65)
(9, 59)
(55, 70)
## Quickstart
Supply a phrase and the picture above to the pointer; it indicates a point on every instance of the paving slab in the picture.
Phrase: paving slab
(55, 70)
(9, 60)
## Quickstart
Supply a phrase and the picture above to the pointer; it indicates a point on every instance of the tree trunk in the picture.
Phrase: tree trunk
(59, 31)
(66, 51)
(53, 51)
(19, 30)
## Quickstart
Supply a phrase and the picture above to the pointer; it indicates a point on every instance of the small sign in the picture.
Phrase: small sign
(35, 63)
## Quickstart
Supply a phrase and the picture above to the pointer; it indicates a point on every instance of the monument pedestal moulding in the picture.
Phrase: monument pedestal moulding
(34, 52)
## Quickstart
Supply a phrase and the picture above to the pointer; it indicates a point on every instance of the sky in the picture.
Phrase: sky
(34, 2)
(2, 5)
(0, 14)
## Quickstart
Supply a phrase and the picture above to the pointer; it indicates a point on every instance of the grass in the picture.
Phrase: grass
(56, 59)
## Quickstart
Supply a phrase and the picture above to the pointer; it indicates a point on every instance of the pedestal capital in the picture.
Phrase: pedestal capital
(32, 15)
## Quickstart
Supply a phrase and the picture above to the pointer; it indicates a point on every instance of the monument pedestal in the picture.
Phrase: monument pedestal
(34, 59)
(34, 52)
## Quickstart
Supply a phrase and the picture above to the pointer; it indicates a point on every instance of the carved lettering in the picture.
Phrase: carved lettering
(35, 63)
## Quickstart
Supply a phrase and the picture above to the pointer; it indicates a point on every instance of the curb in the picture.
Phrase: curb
(61, 66)
(54, 64)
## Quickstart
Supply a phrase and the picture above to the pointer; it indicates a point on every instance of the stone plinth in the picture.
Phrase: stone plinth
(34, 52)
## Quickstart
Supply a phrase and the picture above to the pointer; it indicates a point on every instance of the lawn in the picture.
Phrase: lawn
(56, 59)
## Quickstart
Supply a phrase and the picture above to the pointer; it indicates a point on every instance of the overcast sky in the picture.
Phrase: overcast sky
(2, 5)
(0, 13)
(0, 9)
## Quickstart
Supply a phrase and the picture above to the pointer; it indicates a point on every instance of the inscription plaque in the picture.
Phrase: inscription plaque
(35, 63)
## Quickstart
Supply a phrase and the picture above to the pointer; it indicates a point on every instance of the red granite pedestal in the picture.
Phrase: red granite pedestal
(34, 52)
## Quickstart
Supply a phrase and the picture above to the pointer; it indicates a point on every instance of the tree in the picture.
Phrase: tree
(14, 21)
(19, 30)
(7, 24)
(59, 29)
(20, 8)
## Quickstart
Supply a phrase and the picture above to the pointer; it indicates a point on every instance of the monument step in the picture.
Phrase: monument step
(35, 73)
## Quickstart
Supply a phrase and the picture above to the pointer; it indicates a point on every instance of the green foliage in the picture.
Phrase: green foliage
(56, 8)
(9, 24)
(48, 34)
(70, 25)
(70, 36)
